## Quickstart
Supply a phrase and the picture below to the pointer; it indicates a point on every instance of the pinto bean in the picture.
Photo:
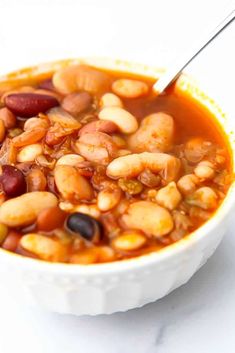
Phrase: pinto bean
(76, 103)
(97, 147)
(107, 127)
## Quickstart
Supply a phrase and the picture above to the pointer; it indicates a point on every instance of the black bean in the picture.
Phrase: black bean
(84, 225)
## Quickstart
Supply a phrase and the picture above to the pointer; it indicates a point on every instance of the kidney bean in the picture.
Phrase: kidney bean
(12, 241)
(76, 103)
(30, 104)
(50, 218)
(99, 126)
(8, 118)
(13, 181)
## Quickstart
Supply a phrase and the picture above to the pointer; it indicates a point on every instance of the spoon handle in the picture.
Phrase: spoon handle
(172, 74)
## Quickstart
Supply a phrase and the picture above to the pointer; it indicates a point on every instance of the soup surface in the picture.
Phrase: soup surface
(96, 168)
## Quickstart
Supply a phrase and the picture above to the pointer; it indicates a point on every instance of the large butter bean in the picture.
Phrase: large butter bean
(23, 210)
(44, 247)
(149, 218)
(155, 134)
(76, 78)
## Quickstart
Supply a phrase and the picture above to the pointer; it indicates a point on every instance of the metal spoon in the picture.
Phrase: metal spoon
(173, 73)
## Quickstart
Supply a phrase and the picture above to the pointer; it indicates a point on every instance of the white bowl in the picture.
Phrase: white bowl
(119, 286)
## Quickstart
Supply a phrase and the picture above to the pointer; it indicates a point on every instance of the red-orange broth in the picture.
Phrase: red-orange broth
(100, 205)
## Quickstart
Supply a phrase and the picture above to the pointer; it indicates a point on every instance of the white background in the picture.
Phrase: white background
(200, 316)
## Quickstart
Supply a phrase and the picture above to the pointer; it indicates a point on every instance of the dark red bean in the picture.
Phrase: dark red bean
(13, 181)
(27, 105)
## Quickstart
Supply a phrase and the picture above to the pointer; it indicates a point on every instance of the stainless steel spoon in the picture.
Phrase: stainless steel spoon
(173, 73)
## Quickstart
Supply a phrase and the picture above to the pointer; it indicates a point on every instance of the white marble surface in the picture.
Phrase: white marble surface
(200, 316)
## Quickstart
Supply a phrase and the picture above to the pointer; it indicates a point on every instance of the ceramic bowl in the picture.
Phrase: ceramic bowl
(118, 286)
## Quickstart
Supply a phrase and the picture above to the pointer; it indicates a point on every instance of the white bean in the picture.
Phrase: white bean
(108, 199)
(148, 217)
(187, 183)
(71, 184)
(155, 134)
(70, 159)
(169, 196)
(24, 209)
(128, 88)
(204, 170)
(29, 153)
(110, 100)
(89, 209)
(126, 122)
(205, 197)
(129, 241)
(44, 247)
(134, 164)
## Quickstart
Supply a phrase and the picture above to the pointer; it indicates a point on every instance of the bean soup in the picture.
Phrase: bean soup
(96, 168)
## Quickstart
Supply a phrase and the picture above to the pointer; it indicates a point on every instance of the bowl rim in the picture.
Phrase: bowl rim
(184, 83)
